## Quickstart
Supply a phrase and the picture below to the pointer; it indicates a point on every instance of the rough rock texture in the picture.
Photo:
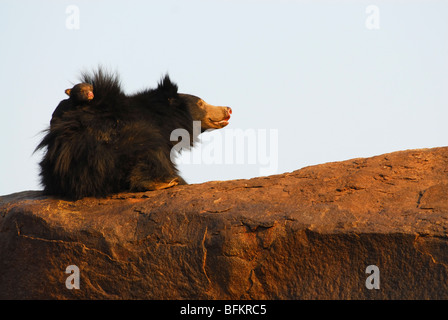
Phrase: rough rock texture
(308, 234)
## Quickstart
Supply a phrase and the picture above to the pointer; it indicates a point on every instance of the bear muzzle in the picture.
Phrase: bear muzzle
(221, 123)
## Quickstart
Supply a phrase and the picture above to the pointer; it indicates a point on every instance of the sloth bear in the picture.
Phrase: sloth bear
(117, 142)
(80, 93)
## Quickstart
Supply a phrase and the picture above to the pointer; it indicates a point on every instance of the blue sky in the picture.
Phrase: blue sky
(310, 72)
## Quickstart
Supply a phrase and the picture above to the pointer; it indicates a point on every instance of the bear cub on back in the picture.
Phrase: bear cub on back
(117, 142)
(78, 95)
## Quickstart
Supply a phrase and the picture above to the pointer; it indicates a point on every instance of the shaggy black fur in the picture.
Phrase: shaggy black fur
(116, 142)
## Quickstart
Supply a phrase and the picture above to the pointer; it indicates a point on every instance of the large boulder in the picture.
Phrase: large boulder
(373, 228)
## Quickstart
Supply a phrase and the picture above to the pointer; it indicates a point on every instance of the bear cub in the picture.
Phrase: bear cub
(80, 94)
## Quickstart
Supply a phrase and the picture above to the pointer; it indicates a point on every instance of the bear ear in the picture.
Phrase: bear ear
(167, 88)
(68, 92)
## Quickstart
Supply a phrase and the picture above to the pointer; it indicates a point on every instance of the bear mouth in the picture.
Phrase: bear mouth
(220, 123)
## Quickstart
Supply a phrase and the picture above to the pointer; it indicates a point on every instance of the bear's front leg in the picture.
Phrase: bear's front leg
(158, 185)
(155, 171)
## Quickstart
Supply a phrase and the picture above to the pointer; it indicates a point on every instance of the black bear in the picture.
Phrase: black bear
(80, 94)
(120, 142)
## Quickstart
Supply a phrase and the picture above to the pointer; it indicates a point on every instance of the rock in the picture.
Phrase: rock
(308, 234)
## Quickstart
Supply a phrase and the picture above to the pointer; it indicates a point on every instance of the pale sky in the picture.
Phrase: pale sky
(309, 82)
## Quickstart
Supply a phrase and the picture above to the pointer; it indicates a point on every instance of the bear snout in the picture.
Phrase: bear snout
(222, 120)
(227, 113)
